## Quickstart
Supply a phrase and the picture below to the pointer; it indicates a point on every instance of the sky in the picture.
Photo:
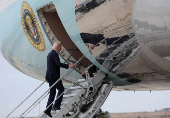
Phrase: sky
(5, 3)
(15, 87)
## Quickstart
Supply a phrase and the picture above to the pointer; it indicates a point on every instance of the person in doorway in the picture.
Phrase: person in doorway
(52, 75)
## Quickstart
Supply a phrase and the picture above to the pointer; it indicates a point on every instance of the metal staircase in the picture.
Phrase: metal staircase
(84, 98)
(86, 95)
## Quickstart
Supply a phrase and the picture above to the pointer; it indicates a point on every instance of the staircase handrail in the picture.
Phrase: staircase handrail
(35, 105)
(70, 70)
(26, 98)
(73, 83)
(62, 94)
(63, 76)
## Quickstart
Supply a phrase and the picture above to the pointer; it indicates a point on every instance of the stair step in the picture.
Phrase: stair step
(53, 112)
(82, 83)
(69, 95)
(81, 80)
(76, 87)
(73, 90)
(62, 103)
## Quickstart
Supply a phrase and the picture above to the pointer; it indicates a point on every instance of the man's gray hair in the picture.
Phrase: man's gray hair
(56, 44)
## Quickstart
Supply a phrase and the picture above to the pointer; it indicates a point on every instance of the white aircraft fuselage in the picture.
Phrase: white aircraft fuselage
(29, 28)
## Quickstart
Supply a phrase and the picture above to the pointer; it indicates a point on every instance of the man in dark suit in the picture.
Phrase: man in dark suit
(52, 75)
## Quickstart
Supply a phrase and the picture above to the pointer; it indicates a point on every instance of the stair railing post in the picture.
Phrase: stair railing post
(26, 99)
(69, 71)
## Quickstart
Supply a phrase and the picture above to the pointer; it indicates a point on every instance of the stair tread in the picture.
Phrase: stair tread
(69, 95)
(75, 87)
(81, 80)
(63, 103)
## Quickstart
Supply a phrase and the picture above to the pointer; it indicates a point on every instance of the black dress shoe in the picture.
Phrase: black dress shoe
(68, 114)
(55, 108)
(48, 113)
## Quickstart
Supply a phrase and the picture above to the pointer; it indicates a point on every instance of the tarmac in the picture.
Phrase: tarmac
(156, 114)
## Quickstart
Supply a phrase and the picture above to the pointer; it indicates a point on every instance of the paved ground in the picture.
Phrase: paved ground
(159, 114)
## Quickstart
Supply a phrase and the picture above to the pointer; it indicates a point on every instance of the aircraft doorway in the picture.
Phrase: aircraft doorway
(56, 32)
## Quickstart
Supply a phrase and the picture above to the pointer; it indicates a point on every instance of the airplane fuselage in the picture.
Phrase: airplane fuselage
(29, 28)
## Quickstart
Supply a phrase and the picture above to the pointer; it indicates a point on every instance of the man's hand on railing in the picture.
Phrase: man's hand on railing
(72, 66)
(92, 46)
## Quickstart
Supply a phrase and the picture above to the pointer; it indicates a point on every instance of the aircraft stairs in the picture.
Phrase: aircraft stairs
(84, 97)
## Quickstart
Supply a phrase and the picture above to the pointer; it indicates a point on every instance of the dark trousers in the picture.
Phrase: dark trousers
(59, 86)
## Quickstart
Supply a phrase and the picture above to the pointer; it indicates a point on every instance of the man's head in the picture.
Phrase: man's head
(57, 46)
